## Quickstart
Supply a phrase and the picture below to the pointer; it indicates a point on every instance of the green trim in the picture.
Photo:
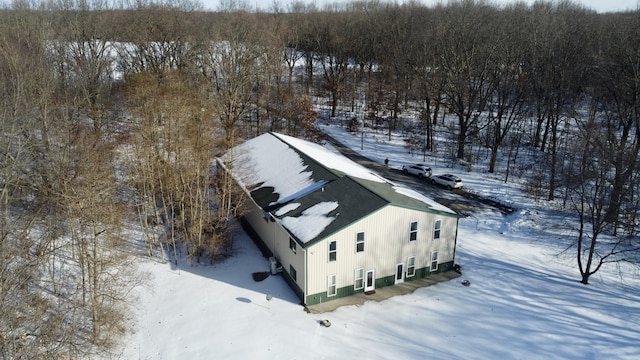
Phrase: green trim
(322, 297)
(424, 272)
(315, 299)
(385, 281)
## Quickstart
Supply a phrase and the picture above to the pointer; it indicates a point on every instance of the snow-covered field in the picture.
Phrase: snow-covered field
(524, 301)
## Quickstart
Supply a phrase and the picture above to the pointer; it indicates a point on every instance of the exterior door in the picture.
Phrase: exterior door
(370, 280)
(399, 273)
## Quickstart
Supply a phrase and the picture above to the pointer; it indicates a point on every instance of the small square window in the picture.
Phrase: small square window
(413, 232)
(436, 229)
(359, 242)
(333, 251)
(292, 245)
(293, 273)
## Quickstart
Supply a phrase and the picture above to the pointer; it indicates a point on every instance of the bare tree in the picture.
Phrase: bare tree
(174, 143)
(160, 38)
(557, 67)
(619, 94)
(331, 43)
(18, 265)
(430, 78)
(466, 62)
(271, 89)
(94, 211)
(591, 194)
(231, 66)
(44, 165)
(507, 101)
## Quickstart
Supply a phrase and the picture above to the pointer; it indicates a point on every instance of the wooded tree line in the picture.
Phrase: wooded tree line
(113, 114)
(556, 80)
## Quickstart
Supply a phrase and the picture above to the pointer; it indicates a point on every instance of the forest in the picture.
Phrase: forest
(112, 115)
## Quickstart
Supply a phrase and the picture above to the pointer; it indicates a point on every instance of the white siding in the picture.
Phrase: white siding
(386, 244)
(277, 240)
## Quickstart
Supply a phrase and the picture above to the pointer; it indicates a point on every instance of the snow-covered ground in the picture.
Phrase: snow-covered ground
(524, 301)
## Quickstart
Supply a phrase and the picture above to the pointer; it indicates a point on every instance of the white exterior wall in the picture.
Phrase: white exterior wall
(386, 244)
(277, 240)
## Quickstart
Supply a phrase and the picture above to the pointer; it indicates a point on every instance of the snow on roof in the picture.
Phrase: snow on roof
(264, 168)
(312, 221)
(257, 167)
(331, 160)
(287, 208)
(416, 195)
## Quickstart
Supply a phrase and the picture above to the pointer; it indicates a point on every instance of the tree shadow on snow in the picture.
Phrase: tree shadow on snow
(542, 307)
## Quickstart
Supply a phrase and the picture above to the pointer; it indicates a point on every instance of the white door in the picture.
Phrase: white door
(370, 280)
(399, 273)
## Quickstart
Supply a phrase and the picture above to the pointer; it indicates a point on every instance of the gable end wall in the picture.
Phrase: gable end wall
(386, 244)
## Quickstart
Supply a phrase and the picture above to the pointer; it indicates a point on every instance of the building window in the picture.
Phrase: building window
(411, 266)
(436, 229)
(358, 283)
(332, 289)
(293, 273)
(292, 245)
(333, 251)
(359, 242)
(434, 261)
(413, 233)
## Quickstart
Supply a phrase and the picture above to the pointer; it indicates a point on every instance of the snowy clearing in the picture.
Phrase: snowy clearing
(524, 302)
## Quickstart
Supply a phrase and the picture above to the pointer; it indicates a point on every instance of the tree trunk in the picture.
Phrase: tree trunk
(554, 157)
(309, 71)
(462, 136)
(497, 136)
(334, 102)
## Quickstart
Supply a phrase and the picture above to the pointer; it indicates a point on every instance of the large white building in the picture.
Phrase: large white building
(335, 227)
